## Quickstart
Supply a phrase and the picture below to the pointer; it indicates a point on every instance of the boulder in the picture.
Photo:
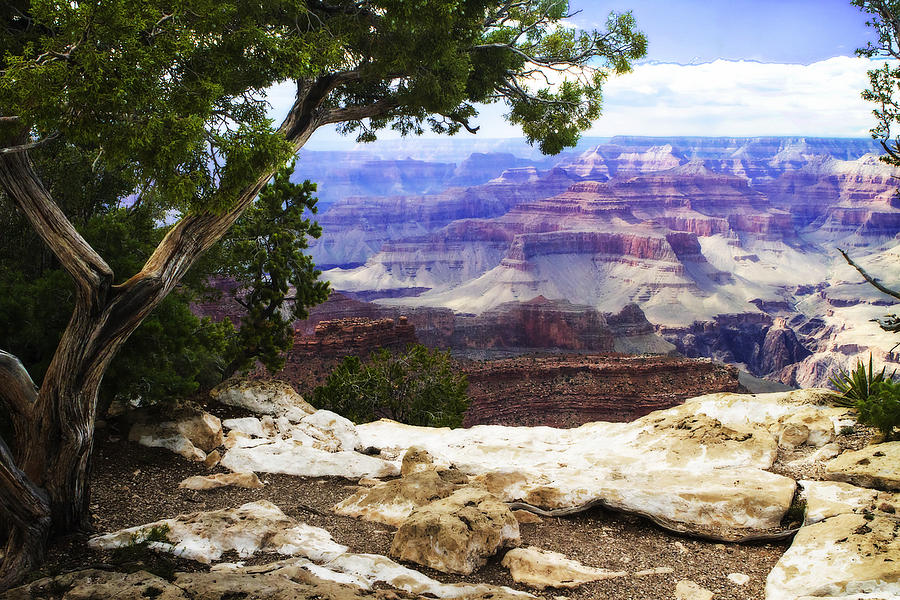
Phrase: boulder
(211, 482)
(335, 432)
(293, 457)
(315, 560)
(831, 498)
(689, 590)
(875, 466)
(525, 517)
(275, 398)
(93, 584)
(191, 433)
(456, 534)
(391, 502)
(251, 528)
(840, 556)
(540, 569)
(416, 459)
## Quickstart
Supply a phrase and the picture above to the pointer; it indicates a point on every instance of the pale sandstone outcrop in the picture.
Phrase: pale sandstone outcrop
(831, 498)
(192, 433)
(261, 527)
(93, 584)
(391, 502)
(840, 556)
(458, 533)
(541, 569)
(211, 482)
(276, 398)
(875, 466)
(251, 528)
(689, 590)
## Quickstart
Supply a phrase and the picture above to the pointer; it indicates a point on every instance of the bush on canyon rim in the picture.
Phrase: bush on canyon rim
(418, 387)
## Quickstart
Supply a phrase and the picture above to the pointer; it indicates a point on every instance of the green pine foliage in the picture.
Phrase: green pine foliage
(418, 387)
(874, 395)
(881, 409)
(263, 251)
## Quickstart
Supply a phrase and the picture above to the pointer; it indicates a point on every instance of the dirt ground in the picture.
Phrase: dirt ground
(134, 485)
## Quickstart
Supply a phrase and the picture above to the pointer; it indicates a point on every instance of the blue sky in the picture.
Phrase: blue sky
(724, 67)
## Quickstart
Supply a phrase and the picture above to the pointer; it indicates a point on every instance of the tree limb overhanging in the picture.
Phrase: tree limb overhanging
(874, 282)
(175, 98)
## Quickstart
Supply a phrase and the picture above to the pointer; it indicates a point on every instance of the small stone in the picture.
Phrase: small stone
(541, 569)
(416, 460)
(368, 482)
(210, 482)
(212, 459)
(739, 578)
(681, 547)
(793, 435)
(654, 571)
(526, 517)
(688, 590)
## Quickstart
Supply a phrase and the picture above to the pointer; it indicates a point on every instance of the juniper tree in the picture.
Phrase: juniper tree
(172, 93)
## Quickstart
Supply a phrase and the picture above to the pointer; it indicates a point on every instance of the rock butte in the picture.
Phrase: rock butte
(716, 239)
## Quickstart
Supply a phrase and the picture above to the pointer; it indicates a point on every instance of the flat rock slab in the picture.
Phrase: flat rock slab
(683, 465)
(191, 434)
(541, 569)
(251, 528)
(211, 482)
(875, 466)
(391, 502)
(831, 498)
(275, 398)
(841, 556)
(456, 534)
(262, 527)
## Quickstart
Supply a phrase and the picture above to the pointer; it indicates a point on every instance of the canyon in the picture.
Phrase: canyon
(727, 246)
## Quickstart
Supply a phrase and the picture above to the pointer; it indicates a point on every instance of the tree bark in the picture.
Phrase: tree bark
(44, 479)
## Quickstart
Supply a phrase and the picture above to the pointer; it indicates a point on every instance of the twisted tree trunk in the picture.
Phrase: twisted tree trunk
(44, 469)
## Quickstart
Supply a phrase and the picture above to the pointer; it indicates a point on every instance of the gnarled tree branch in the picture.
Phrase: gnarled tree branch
(869, 278)
(20, 182)
(17, 396)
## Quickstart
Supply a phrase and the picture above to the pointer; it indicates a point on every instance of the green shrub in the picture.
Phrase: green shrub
(419, 387)
(881, 408)
(856, 385)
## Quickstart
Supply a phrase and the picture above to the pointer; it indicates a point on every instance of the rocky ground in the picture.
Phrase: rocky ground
(133, 485)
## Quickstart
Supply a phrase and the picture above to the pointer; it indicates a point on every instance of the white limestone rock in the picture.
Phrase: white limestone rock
(211, 482)
(192, 433)
(275, 398)
(875, 466)
(391, 502)
(332, 429)
(541, 569)
(456, 534)
(251, 528)
(262, 527)
(841, 556)
(689, 590)
(294, 458)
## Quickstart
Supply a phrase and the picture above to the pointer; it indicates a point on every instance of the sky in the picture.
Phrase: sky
(723, 67)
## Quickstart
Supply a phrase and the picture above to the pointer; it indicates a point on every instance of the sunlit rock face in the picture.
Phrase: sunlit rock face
(689, 229)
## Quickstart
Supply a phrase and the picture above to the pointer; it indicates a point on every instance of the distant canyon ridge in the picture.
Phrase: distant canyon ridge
(726, 246)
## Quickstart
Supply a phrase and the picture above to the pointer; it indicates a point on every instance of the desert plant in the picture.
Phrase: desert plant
(856, 385)
(418, 387)
(881, 408)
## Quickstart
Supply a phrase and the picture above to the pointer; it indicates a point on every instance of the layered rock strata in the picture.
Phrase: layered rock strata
(570, 390)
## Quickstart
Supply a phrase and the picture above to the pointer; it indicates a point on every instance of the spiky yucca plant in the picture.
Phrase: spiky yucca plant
(856, 385)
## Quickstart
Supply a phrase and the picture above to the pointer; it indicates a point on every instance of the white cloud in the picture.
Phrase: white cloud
(727, 98)
(739, 98)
